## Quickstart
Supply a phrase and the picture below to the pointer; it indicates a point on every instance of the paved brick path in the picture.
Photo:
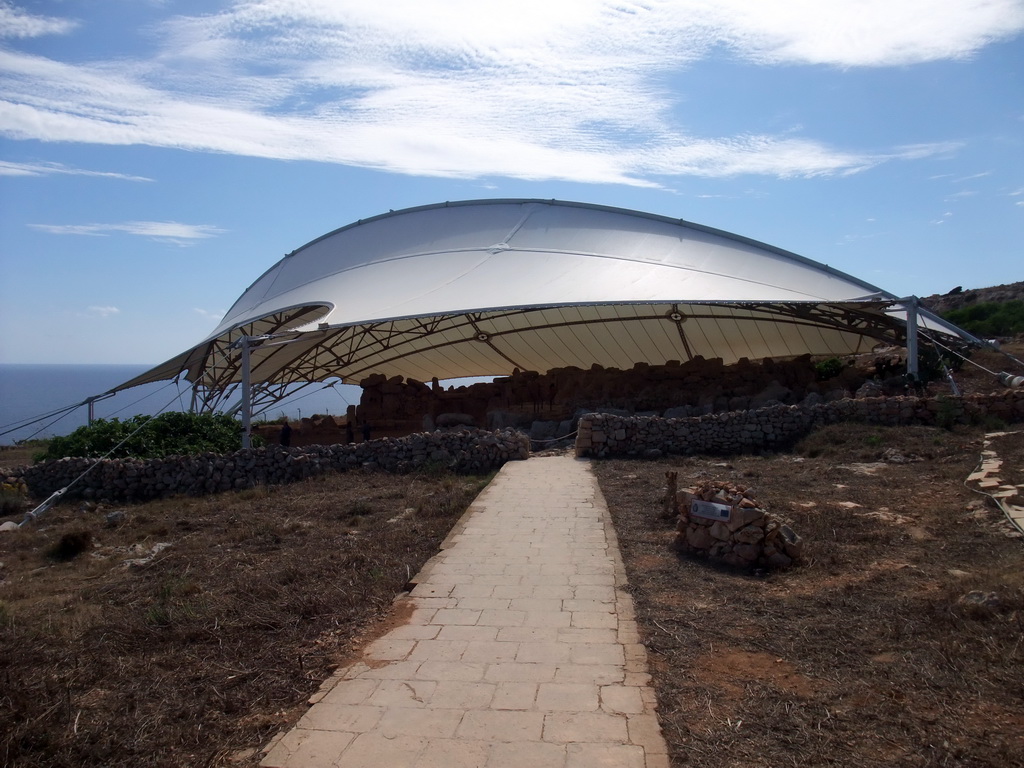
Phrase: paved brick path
(521, 648)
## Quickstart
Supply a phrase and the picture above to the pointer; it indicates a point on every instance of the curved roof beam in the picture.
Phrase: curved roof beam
(484, 286)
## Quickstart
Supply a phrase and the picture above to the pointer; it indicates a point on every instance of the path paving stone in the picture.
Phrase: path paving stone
(521, 648)
(1007, 496)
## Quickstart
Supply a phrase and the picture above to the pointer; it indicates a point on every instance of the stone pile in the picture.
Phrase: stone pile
(605, 435)
(464, 451)
(733, 528)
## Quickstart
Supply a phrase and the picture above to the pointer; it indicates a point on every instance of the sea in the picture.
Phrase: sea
(33, 398)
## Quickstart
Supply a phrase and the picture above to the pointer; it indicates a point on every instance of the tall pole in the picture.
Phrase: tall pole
(910, 305)
(246, 395)
(91, 402)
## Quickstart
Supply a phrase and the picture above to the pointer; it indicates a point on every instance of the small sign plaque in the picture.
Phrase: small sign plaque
(710, 510)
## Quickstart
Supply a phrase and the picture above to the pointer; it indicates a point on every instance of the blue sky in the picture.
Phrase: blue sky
(157, 156)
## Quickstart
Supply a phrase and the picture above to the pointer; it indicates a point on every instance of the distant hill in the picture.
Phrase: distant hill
(959, 298)
(996, 312)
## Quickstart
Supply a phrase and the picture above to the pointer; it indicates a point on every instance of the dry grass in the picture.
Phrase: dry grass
(20, 455)
(898, 644)
(211, 645)
(886, 649)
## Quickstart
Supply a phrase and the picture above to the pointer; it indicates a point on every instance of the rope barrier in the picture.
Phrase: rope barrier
(556, 439)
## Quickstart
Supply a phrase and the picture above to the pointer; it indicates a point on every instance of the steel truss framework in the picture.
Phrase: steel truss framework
(496, 342)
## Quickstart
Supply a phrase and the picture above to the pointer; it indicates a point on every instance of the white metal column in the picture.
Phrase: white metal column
(246, 394)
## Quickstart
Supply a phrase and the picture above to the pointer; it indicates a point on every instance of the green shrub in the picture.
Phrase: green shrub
(169, 434)
(990, 318)
(828, 369)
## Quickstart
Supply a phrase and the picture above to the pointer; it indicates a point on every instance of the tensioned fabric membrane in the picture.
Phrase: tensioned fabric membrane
(481, 287)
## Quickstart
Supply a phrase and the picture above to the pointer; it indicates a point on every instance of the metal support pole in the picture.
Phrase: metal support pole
(246, 395)
(910, 304)
(90, 402)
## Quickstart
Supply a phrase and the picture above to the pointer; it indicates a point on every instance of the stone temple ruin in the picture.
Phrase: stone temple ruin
(547, 405)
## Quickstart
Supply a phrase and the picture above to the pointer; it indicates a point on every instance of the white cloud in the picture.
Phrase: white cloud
(18, 24)
(93, 230)
(51, 169)
(921, 151)
(973, 176)
(170, 231)
(865, 33)
(214, 315)
(103, 311)
(536, 90)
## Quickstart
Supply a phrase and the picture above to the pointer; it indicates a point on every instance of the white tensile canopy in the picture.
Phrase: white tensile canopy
(481, 287)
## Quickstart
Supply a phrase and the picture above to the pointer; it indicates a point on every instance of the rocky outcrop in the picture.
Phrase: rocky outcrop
(958, 298)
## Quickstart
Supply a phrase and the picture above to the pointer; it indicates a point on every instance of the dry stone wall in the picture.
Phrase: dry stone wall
(464, 451)
(604, 435)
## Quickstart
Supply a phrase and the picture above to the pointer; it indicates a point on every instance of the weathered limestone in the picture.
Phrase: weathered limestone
(695, 387)
(744, 535)
(605, 435)
(1007, 495)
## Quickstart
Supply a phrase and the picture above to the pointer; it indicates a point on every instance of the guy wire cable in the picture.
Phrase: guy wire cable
(56, 495)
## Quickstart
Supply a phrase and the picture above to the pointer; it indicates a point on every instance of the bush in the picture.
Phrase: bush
(828, 369)
(169, 434)
(990, 318)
